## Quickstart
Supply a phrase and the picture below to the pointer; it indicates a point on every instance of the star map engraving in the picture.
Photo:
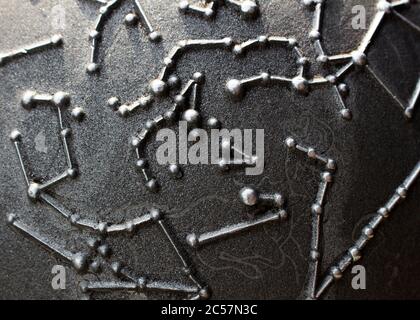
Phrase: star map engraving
(186, 107)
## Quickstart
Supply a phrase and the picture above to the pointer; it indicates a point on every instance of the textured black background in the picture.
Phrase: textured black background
(374, 152)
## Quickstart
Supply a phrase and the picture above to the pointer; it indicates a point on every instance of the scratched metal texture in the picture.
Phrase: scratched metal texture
(374, 152)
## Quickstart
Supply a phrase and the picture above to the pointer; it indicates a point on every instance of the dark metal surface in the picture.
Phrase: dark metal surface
(374, 152)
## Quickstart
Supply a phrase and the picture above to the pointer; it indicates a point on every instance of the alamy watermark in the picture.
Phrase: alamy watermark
(221, 147)
(58, 282)
(359, 19)
(40, 142)
(358, 282)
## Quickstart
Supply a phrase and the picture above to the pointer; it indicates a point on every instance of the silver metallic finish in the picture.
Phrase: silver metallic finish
(80, 261)
(330, 164)
(343, 70)
(354, 252)
(159, 86)
(126, 109)
(251, 197)
(398, 3)
(208, 237)
(373, 28)
(78, 113)
(101, 227)
(339, 58)
(359, 56)
(60, 100)
(154, 36)
(214, 43)
(317, 81)
(170, 287)
(302, 85)
(345, 112)
(96, 33)
(54, 41)
(413, 101)
(315, 33)
(131, 19)
(236, 88)
(231, 156)
(129, 226)
(319, 49)
(249, 8)
(50, 246)
(317, 210)
(104, 13)
(106, 286)
(15, 136)
(179, 253)
(378, 79)
(207, 8)
(260, 42)
(100, 1)
(182, 109)
(401, 193)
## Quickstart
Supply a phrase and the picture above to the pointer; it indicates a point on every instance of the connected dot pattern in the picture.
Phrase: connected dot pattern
(186, 107)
